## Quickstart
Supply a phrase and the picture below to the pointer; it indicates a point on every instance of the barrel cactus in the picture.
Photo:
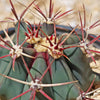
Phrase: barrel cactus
(46, 61)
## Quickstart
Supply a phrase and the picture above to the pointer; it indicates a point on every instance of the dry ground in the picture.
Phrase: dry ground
(92, 10)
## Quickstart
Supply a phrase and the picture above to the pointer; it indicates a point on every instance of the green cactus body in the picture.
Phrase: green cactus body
(42, 61)
(61, 69)
(22, 30)
(37, 70)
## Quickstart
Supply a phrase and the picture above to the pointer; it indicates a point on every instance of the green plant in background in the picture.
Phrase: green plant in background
(45, 61)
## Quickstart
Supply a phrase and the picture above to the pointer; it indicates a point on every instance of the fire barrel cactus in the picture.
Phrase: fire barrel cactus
(46, 61)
